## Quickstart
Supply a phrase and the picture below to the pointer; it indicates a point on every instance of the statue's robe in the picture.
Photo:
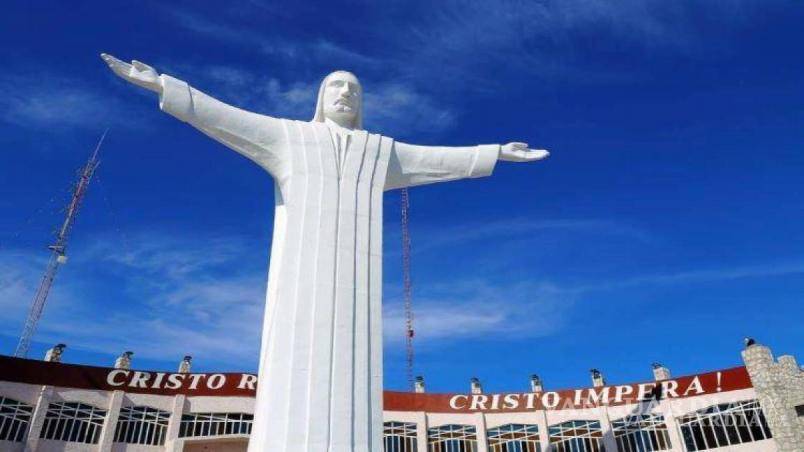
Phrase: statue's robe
(320, 373)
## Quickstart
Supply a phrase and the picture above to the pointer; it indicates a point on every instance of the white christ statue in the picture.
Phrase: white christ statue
(320, 368)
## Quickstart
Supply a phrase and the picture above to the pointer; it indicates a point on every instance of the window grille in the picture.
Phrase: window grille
(14, 419)
(576, 436)
(724, 425)
(452, 438)
(641, 433)
(74, 422)
(215, 424)
(142, 425)
(399, 437)
(514, 438)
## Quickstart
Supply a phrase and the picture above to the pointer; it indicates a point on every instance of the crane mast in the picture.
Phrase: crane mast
(58, 253)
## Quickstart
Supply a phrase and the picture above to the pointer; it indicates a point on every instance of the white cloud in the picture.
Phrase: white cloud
(455, 45)
(471, 40)
(248, 89)
(391, 108)
(18, 279)
(433, 239)
(395, 109)
(462, 309)
(165, 296)
(697, 276)
(269, 43)
(53, 101)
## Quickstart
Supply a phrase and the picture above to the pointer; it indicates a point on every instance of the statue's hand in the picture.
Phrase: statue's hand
(137, 73)
(519, 152)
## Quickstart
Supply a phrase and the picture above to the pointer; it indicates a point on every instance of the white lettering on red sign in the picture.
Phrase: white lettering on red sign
(248, 381)
(453, 402)
(111, 381)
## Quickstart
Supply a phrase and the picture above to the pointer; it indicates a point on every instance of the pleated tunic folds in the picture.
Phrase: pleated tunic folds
(320, 373)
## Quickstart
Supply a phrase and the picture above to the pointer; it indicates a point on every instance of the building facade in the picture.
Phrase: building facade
(54, 406)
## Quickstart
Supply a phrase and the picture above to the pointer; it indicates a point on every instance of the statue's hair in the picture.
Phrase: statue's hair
(319, 106)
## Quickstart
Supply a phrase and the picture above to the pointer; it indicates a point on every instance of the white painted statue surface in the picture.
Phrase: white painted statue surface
(320, 366)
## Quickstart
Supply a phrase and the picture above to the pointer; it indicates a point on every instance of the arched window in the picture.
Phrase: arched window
(74, 422)
(514, 438)
(724, 425)
(399, 437)
(452, 438)
(142, 425)
(576, 436)
(215, 424)
(14, 419)
(641, 433)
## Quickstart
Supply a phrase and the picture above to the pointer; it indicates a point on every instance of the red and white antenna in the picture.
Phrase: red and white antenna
(407, 286)
(58, 252)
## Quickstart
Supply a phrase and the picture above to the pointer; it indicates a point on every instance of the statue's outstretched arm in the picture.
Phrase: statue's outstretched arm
(251, 134)
(411, 165)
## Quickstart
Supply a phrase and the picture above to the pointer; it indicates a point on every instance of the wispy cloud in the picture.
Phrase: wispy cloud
(161, 296)
(266, 41)
(49, 100)
(697, 276)
(480, 309)
(391, 108)
(165, 296)
(474, 41)
(395, 109)
(459, 44)
(258, 92)
(452, 46)
(17, 284)
(433, 239)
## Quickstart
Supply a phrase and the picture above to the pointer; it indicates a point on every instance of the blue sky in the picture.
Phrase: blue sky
(665, 226)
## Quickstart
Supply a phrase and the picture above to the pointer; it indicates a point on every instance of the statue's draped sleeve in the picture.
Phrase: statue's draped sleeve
(411, 165)
(255, 136)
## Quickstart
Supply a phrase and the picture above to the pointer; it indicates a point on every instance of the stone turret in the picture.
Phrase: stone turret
(54, 354)
(780, 390)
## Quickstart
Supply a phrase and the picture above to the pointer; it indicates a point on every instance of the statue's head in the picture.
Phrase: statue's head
(340, 99)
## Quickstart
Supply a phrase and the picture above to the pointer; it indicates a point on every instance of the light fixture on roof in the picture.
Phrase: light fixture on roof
(476, 387)
(124, 361)
(54, 354)
(418, 384)
(536, 383)
(184, 365)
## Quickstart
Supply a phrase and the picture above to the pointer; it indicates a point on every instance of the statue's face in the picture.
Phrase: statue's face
(342, 97)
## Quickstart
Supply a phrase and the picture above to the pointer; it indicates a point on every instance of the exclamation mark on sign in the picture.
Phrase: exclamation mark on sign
(718, 381)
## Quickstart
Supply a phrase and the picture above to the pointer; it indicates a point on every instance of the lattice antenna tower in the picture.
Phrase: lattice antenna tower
(407, 286)
(58, 252)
